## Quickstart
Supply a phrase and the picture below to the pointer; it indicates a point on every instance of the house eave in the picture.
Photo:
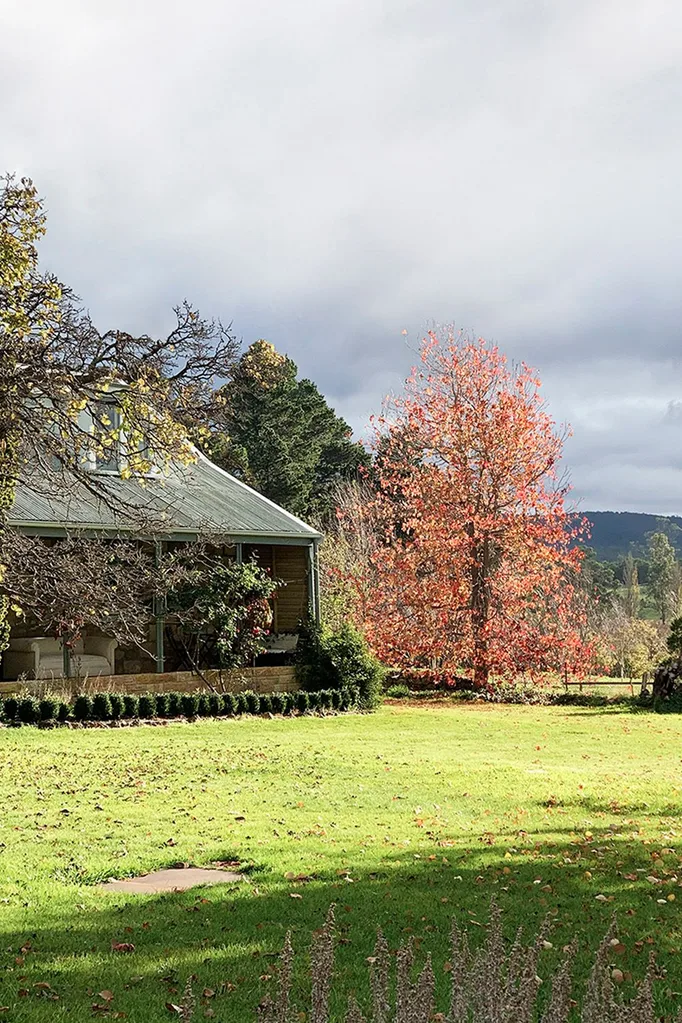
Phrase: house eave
(62, 529)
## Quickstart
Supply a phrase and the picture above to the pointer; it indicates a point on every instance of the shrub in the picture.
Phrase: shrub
(266, 703)
(427, 679)
(147, 705)
(49, 708)
(101, 707)
(325, 696)
(398, 692)
(289, 701)
(174, 705)
(203, 706)
(63, 711)
(252, 703)
(332, 660)
(225, 610)
(162, 705)
(671, 705)
(131, 705)
(82, 707)
(277, 703)
(302, 701)
(229, 704)
(579, 699)
(190, 704)
(29, 710)
(313, 700)
(242, 704)
(215, 704)
(336, 699)
(346, 699)
(10, 708)
(117, 706)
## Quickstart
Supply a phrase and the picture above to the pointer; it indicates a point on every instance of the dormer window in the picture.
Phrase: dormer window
(106, 421)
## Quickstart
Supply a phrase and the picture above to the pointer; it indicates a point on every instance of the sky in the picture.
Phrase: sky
(328, 175)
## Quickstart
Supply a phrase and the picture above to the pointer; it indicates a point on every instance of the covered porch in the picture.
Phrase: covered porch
(193, 502)
(32, 655)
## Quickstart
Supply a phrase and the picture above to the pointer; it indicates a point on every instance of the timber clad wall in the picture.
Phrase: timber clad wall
(290, 565)
(280, 679)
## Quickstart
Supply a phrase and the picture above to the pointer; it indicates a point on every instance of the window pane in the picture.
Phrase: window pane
(106, 423)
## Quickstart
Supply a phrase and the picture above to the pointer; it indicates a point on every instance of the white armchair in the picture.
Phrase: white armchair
(41, 657)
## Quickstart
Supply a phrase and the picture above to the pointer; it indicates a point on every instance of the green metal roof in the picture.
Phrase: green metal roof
(185, 500)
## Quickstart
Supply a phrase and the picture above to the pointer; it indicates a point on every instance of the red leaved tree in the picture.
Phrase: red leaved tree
(477, 561)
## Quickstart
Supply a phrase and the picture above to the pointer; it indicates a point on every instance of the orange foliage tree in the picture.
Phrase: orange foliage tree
(476, 563)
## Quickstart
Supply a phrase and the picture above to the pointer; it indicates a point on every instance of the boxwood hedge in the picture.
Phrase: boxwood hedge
(112, 706)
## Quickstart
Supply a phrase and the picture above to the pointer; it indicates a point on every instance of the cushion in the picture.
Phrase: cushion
(82, 664)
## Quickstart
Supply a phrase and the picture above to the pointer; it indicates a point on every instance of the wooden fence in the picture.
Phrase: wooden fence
(260, 680)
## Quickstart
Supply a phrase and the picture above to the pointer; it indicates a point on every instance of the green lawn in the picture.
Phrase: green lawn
(401, 818)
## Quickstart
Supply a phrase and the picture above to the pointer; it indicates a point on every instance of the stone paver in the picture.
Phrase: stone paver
(176, 879)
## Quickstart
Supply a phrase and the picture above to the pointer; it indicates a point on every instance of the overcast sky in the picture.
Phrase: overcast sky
(328, 173)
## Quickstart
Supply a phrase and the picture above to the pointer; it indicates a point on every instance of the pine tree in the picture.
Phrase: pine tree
(281, 436)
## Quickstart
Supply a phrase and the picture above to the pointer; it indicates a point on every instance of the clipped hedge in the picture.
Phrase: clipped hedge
(162, 705)
(103, 707)
(28, 711)
(131, 705)
(82, 707)
(146, 707)
(49, 708)
(117, 704)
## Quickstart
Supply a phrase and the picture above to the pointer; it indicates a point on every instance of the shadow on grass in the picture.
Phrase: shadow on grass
(601, 807)
(228, 937)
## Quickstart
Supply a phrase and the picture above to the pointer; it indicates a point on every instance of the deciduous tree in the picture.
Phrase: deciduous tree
(662, 575)
(478, 557)
(71, 395)
(632, 596)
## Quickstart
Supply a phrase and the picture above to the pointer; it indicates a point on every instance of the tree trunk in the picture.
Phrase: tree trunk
(480, 605)
(9, 467)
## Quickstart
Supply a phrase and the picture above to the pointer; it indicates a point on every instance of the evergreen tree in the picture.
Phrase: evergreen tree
(282, 437)
(597, 578)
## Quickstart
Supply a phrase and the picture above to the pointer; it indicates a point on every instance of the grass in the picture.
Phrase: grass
(401, 818)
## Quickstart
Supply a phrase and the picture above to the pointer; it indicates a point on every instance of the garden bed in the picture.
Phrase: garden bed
(120, 709)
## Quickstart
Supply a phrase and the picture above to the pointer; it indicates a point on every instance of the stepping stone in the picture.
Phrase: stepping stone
(176, 879)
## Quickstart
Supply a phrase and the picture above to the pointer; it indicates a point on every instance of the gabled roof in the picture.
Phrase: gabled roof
(185, 500)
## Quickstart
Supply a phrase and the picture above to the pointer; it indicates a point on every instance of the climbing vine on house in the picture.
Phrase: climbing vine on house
(220, 613)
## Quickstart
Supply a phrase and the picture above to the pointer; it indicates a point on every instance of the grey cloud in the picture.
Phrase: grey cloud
(328, 174)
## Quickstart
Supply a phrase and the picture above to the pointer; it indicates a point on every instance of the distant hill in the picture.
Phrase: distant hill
(616, 533)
